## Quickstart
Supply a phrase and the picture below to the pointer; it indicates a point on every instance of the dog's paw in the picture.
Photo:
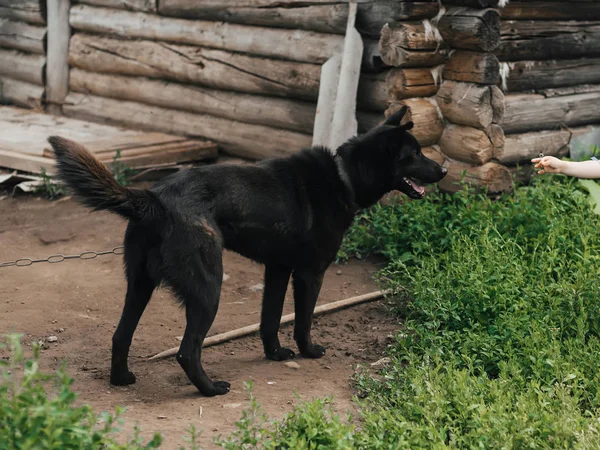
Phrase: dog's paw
(122, 379)
(219, 388)
(312, 351)
(281, 354)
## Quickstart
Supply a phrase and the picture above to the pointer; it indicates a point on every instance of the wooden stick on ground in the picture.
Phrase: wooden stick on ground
(244, 331)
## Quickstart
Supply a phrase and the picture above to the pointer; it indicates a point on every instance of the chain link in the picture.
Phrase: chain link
(24, 262)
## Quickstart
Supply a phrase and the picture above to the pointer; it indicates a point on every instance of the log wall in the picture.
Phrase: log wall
(253, 64)
(23, 58)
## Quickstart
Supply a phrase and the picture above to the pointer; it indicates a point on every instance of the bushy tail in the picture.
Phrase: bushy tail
(96, 187)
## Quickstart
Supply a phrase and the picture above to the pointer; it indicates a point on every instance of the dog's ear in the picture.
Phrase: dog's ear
(396, 118)
(408, 126)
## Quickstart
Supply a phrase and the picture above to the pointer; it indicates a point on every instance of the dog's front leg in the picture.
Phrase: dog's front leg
(307, 285)
(276, 282)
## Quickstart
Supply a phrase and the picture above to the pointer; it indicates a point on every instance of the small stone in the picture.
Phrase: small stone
(200, 412)
(161, 417)
(339, 272)
(257, 287)
(226, 277)
(271, 382)
(232, 405)
(61, 330)
(292, 365)
(215, 429)
(52, 339)
(232, 353)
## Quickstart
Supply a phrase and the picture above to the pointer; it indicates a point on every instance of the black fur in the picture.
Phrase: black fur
(289, 214)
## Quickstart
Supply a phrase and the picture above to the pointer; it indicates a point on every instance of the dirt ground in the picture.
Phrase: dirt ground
(80, 303)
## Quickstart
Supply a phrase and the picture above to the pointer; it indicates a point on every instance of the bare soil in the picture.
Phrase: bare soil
(80, 303)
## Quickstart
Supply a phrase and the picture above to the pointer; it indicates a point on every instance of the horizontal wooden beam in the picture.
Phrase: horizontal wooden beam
(534, 75)
(539, 39)
(530, 112)
(551, 10)
(22, 66)
(294, 45)
(30, 11)
(320, 16)
(21, 93)
(285, 113)
(237, 138)
(22, 36)
(195, 65)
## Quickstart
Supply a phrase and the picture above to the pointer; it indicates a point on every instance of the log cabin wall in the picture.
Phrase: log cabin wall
(244, 74)
(23, 52)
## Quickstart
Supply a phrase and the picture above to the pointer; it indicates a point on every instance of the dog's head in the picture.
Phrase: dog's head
(389, 158)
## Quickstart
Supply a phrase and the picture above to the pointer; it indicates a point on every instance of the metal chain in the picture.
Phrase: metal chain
(24, 262)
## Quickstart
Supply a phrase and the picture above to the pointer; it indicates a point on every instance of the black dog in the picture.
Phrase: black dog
(289, 214)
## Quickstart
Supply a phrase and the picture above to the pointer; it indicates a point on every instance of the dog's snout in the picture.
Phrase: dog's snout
(444, 171)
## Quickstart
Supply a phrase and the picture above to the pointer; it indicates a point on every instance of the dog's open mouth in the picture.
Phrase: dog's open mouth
(414, 190)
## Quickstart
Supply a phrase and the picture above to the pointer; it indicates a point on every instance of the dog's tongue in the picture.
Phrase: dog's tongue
(416, 187)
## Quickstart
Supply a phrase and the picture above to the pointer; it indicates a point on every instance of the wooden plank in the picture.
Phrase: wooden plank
(131, 5)
(22, 36)
(530, 112)
(22, 66)
(294, 45)
(57, 63)
(530, 75)
(471, 29)
(283, 113)
(471, 104)
(133, 147)
(31, 11)
(30, 131)
(538, 40)
(551, 10)
(190, 154)
(245, 140)
(473, 67)
(203, 66)
(21, 93)
(321, 16)
(25, 162)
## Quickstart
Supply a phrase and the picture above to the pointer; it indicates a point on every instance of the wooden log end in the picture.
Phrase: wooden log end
(491, 177)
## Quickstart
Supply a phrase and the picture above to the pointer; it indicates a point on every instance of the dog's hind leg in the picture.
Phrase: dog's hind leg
(276, 282)
(140, 286)
(307, 285)
(195, 273)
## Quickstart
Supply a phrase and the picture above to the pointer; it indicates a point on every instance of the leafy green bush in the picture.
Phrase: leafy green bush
(503, 322)
(310, 425)
(31, 417)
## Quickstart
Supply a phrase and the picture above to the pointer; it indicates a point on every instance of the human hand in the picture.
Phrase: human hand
(549, 164)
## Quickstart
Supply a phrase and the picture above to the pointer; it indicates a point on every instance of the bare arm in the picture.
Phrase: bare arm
(582, 169)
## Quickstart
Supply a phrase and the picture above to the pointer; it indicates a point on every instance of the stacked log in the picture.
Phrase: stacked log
(550, 72)
(414, 53)
(469, 100)
(22, 52)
